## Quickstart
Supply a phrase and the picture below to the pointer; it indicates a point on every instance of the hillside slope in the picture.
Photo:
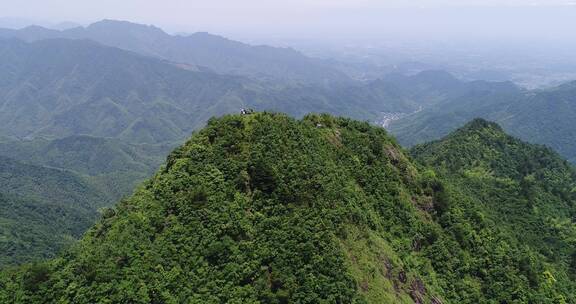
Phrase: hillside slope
(266, 209)
(524, 192)
(546, 117)
(111, 165)
(50, 191)
(42, 210)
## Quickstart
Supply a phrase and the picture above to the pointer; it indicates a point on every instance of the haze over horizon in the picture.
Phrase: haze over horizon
(319, 19)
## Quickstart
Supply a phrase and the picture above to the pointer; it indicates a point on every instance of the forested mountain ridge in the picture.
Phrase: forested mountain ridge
(526, 192)
(197, 50)
(263, 208)
(437, 87)
(546, 117)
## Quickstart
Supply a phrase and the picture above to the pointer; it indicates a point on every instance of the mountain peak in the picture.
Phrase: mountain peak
(484, 144)
(479, 124)
(110, 24)
(206, 37)
(37, 30)
(479, 133)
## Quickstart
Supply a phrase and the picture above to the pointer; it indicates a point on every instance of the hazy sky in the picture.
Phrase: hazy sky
(315, 18)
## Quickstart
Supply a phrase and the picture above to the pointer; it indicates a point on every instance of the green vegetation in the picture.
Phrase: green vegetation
(51, 190)
(513, 209)
(114, 167)
(263, 208)
(87, 155)
(42, 210)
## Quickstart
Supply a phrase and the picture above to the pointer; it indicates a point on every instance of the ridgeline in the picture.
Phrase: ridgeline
(263, 208)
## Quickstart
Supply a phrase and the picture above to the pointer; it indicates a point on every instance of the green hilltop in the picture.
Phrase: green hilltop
(263, 208)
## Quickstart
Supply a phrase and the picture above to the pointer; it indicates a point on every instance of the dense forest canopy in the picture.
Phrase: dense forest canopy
(263, 208)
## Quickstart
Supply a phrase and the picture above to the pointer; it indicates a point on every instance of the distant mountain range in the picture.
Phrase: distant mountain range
(182, 101)
(538, 116)
(56, 88)
(106, 92)
(197, 50)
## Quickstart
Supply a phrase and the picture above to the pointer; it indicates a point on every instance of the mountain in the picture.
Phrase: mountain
(263, 208)
(525, 192)
(42, 210)
(491, 163)
(17, 23)
(545, 117)
(198, 50)
(538, 116)
(435, 88)
(58, 88)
